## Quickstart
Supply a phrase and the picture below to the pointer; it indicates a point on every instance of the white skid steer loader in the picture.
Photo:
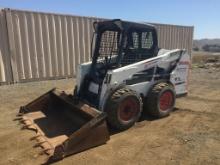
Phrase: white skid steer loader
(128, 74)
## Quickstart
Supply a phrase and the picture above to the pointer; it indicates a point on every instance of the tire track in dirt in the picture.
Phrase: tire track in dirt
(196, 112)
(197, 98)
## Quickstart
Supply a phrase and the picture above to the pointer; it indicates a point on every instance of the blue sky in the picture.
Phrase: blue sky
(204, 15)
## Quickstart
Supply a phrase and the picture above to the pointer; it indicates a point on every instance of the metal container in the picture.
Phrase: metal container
(42, 46)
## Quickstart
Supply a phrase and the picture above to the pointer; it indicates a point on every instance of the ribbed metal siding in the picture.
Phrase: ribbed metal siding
(2, 62)
(49, 46)
(174, 36)
(5, 63)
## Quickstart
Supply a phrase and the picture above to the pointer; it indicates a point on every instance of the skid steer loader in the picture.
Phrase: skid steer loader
(128, 74)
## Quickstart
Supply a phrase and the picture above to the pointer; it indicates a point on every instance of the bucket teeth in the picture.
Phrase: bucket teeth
(47, 148)
(40, 139)
(48, 151)
(39, 144)
(35, 137)
(30, 127)
(18, 118)
(24, 119)
(28, 124)
(20, 114)
(61, 127)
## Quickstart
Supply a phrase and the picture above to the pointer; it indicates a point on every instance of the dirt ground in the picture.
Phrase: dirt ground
(190, 135)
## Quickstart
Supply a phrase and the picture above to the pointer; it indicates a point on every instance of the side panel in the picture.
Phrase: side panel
(179, 76)
(82, 70)
(120, 76)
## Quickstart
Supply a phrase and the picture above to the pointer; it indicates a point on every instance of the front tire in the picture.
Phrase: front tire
(123, 108)
(161, 100)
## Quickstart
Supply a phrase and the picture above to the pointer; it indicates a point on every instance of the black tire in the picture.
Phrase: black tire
(160, 100)
(123, 108)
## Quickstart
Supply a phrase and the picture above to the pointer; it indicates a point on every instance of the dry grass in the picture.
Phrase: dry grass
(201, 57)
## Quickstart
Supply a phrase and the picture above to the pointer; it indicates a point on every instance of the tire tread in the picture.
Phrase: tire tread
(113, 103)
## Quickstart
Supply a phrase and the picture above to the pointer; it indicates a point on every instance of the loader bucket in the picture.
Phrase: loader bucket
(62, 126)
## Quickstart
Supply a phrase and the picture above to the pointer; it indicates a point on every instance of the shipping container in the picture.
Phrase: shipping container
(42, 46)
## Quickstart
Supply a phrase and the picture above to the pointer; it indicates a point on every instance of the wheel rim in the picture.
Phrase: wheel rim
(166, 100)
(128, 109)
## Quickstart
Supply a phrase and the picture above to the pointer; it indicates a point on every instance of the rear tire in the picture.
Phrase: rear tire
(123, 108)
(161, 100)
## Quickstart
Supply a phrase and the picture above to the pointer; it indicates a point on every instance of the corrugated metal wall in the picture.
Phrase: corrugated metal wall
(175, 36)
(47, 46)
(5, 63)
(38, 46)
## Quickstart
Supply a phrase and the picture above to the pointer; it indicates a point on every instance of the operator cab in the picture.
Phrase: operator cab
(116, 44)
(120, 43)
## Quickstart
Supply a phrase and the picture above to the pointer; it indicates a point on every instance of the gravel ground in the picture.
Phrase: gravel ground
(190, 135)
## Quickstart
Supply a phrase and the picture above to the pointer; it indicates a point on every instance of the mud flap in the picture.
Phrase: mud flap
(63, 127)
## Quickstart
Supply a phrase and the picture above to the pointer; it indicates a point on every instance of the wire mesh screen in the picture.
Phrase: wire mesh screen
(135, 39)
(138, 48)
(146, 40)
(109, 44)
